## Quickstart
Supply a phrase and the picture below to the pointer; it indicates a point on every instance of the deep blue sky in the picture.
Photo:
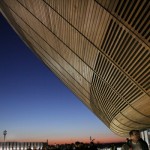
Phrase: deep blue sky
(34, 104)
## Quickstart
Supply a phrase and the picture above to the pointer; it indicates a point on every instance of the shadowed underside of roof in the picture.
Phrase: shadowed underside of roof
(99, 48)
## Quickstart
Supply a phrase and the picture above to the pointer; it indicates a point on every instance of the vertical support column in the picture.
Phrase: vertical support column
(0, 146)
(144, 136)
(24, 146)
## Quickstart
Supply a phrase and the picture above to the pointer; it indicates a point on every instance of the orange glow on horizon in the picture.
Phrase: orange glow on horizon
(72, 140)
(66, 140)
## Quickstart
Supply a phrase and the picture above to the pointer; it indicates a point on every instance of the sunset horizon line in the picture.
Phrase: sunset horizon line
(68, 141)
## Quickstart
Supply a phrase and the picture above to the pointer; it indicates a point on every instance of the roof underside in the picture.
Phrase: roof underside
(99, 48)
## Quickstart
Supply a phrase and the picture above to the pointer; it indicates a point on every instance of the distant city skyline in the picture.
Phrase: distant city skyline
(36, 105)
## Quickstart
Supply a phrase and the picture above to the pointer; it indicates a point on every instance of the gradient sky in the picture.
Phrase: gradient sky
(35, 105)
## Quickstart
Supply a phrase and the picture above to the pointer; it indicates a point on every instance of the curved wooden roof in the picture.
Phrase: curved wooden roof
(99, 48)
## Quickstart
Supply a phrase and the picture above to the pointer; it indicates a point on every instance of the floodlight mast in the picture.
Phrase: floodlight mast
(4, 133)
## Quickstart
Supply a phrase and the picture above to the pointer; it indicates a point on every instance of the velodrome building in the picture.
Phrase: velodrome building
(100, 49)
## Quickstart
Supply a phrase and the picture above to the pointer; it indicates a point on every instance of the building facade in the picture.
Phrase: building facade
(20, 145)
